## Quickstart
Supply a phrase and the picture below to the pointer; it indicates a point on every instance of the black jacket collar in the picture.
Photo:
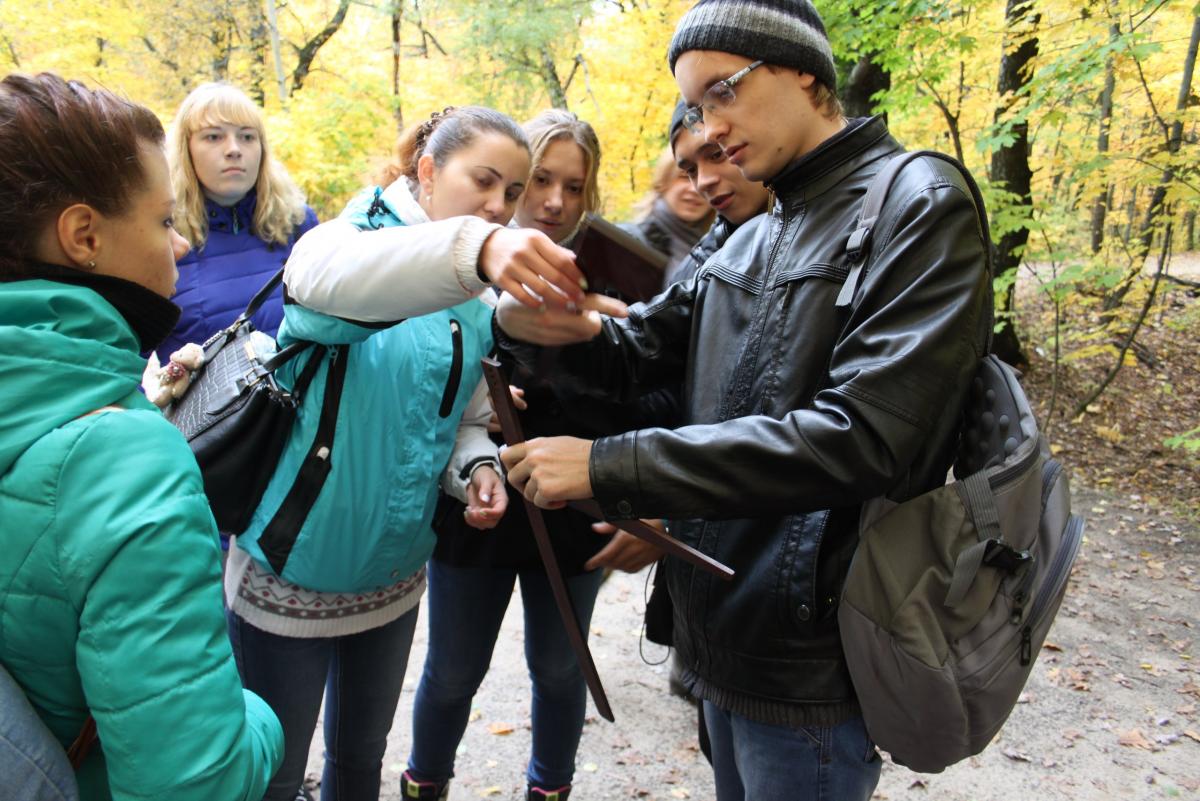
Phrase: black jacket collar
(151, 316)
(831, 161)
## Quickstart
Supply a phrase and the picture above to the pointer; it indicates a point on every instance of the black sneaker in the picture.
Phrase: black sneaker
(423, 791)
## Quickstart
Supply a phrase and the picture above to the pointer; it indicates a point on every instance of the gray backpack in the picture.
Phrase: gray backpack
(33, 764)
(951, 594)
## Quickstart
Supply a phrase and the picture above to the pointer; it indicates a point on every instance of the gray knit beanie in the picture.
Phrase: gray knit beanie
(676, 122)
(788, 33)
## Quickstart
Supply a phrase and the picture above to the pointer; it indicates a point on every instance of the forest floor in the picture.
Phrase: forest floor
(1112, 708)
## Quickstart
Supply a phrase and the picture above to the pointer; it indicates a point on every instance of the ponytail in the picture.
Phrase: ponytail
(443, 134)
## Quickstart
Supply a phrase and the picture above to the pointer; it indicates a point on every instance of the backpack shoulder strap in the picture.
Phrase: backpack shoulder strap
(858, 246)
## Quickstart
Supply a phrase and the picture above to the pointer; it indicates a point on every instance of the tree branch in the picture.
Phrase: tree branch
(154, 51)
(309, 51)
(12, 52)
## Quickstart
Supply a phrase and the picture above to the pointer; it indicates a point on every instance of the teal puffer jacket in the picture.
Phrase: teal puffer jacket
(406, 389)
(110, 588)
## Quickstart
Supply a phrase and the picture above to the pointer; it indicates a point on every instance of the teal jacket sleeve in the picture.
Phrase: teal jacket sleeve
(140, 556)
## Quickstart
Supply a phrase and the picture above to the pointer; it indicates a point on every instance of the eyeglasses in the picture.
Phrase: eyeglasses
(719, 95)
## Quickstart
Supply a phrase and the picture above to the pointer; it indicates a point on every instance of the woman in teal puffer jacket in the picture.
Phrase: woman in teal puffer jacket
(109, 573)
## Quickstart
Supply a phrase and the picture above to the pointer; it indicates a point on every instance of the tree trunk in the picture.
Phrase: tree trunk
(1100, 206)
(1189, 223)
(1010, 170)
(273, 28)
(308, 52)
(258, 51)
(866, 79)
(221, 37)
(1174, 138)
(554, 87)
(1148, 227)
(397, 19)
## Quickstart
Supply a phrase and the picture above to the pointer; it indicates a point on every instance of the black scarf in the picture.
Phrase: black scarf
(151, 316)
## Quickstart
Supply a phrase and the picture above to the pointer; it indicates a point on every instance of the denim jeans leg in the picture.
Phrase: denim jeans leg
(720, 737)
(465, 607)
(289, 674)
(559, 690)
(361, 695)
(785, 763)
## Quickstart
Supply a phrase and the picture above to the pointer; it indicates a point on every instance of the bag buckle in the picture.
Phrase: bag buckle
(1004, 557)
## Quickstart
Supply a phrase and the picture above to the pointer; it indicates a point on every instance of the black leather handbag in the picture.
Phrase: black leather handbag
(237, 418)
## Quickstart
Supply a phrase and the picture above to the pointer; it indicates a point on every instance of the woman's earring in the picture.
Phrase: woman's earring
(91, 264)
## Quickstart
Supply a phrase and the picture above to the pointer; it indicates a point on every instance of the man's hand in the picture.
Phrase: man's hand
(550, 470)
(527, 264)
(624, 551)
(487, 498)
(555, 325)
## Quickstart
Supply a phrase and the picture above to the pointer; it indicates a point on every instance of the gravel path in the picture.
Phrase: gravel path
(1110, 711)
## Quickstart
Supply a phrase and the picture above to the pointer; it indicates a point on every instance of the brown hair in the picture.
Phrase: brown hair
(825, 101)
(60, 144)
(665, 173)
(444, 134)
(279, 205)
(555, 124)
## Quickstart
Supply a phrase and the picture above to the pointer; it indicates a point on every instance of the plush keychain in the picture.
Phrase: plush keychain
(176, 375)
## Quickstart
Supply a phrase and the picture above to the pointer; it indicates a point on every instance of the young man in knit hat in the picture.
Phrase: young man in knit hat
(795, 410)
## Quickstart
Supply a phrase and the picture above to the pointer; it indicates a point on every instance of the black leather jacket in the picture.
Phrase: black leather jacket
(796, 412)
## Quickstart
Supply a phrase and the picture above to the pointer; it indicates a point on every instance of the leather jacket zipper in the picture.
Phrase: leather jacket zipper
(456, 366)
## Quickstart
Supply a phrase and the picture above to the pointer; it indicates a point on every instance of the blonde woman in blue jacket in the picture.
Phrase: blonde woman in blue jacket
(336, 614)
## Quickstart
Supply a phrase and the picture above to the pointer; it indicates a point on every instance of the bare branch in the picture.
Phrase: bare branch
(308, 51)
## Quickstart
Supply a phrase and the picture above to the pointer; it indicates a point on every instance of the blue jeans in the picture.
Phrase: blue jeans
(784, 763)
(466, 607)
(361, 676)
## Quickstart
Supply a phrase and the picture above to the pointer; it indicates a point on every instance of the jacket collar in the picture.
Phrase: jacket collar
(231, 219)
(400, 197)
(151, 316)
(835, 158)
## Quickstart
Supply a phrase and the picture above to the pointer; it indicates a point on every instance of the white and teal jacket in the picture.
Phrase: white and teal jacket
(403, 296)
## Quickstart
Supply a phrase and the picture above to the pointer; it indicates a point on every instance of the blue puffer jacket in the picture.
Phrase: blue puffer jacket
(217, 281)
(406, 389)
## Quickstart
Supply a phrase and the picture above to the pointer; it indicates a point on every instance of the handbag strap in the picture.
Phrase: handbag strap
(82, 746)
(279, 536)
(260, 297)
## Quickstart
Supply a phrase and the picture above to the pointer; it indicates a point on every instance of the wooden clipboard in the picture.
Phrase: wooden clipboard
(616, 262)
(510, 426)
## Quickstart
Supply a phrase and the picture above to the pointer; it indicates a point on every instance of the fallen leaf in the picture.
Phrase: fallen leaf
(501, 728)
(1016, 756)
(1135, 739)
(474, 716)
(1051, 646)
(1191, 735)
(680, 792)
(591, 767)
(495, 789)
(921, 783)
